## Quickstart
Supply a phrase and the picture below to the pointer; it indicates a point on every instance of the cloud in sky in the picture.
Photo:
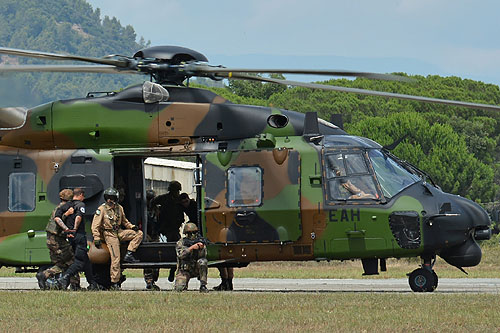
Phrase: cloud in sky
(458, 37)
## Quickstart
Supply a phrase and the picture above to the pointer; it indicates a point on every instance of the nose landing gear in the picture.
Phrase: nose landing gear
(424, 279)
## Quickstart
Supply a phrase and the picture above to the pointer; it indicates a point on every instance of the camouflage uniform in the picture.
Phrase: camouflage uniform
(107, 223)
(190, 264)
(60, 250)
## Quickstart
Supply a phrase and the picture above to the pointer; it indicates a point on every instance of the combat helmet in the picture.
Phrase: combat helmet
(190, 229)
(111, 193)
(66, 194)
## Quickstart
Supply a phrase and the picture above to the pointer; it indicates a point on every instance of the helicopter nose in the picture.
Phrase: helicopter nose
(472, 214)
(467, 223)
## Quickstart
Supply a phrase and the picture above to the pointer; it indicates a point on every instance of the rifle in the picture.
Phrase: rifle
(189, 242)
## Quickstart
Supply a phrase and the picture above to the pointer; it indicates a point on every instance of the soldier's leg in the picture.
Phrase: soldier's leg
(135, 238)
(61, 255)
(181, 280)
(148, 275)
(172, 237)
(71, 276)
(113, 244)
(202, 267)
(230, 275)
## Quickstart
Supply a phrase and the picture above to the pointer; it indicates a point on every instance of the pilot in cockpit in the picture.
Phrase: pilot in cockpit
(348, 190)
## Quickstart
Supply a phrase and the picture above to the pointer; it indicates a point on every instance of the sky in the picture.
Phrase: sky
(425, 37)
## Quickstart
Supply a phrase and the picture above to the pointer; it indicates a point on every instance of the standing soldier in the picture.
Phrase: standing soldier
(191, 260)
(111, 225)
(151, 274)
(60, 250)
(171, 215)
(79, 244)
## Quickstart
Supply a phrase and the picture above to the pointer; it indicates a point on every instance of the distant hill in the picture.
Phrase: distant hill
(60, 26)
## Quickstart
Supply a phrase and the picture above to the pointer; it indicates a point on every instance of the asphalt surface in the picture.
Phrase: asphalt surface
(464, 285)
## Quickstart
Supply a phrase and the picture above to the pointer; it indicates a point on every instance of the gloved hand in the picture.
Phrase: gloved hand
(97, 243)
(135, 228)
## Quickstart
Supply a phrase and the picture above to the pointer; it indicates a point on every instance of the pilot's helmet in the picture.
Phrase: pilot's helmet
(66, 194)
(111, 193)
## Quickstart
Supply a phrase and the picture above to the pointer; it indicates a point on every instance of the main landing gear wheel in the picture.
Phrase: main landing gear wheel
(423, 280)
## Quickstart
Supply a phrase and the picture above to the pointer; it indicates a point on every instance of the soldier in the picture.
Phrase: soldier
(151, 274)
(60, 250)
(79, 243)
(191, 260)
(171, 215)
(189, 207)
(111, 225)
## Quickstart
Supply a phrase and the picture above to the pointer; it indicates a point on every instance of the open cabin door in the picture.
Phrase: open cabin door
(128, 179)
(252, 196)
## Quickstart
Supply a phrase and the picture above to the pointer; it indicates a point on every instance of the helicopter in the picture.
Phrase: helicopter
(271, 184)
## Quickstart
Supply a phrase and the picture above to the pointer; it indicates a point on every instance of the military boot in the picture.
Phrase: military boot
(222, 286)
(41, 280)
(93, 287)
(152, 286)
(203, 289)
(129, 258)
(63, 281)
(115, 286)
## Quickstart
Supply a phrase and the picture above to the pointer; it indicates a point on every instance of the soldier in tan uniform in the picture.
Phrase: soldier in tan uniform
(111, 226)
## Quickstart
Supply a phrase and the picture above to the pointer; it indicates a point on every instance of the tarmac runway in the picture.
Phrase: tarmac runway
(465, 285)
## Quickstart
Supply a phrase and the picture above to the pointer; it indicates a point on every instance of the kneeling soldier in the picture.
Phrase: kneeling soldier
(191, 259)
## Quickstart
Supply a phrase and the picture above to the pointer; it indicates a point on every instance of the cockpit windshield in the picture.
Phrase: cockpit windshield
(392, 177)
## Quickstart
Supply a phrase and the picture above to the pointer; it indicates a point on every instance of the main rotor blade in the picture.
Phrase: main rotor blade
(67, 68)
(369, 92)
(197, 68)
(54, 56)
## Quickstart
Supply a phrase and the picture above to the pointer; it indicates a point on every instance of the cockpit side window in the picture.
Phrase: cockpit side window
(349, 178)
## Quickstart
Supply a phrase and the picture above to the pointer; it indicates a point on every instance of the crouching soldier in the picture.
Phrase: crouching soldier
(111, 226)
(191, 259)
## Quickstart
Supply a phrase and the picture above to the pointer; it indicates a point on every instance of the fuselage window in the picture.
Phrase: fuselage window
(22, 192)
(244, 186)
(349, 177)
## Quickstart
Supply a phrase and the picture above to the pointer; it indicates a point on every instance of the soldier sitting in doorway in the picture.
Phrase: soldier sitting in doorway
(111, 225)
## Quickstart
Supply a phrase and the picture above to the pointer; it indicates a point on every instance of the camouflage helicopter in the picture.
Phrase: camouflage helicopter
(271, 184)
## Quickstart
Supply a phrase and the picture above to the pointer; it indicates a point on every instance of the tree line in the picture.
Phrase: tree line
(456, 146)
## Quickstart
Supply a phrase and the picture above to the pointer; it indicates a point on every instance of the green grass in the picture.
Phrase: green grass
(248, 312)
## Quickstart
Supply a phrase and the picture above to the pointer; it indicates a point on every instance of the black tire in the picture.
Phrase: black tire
(422, 280)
